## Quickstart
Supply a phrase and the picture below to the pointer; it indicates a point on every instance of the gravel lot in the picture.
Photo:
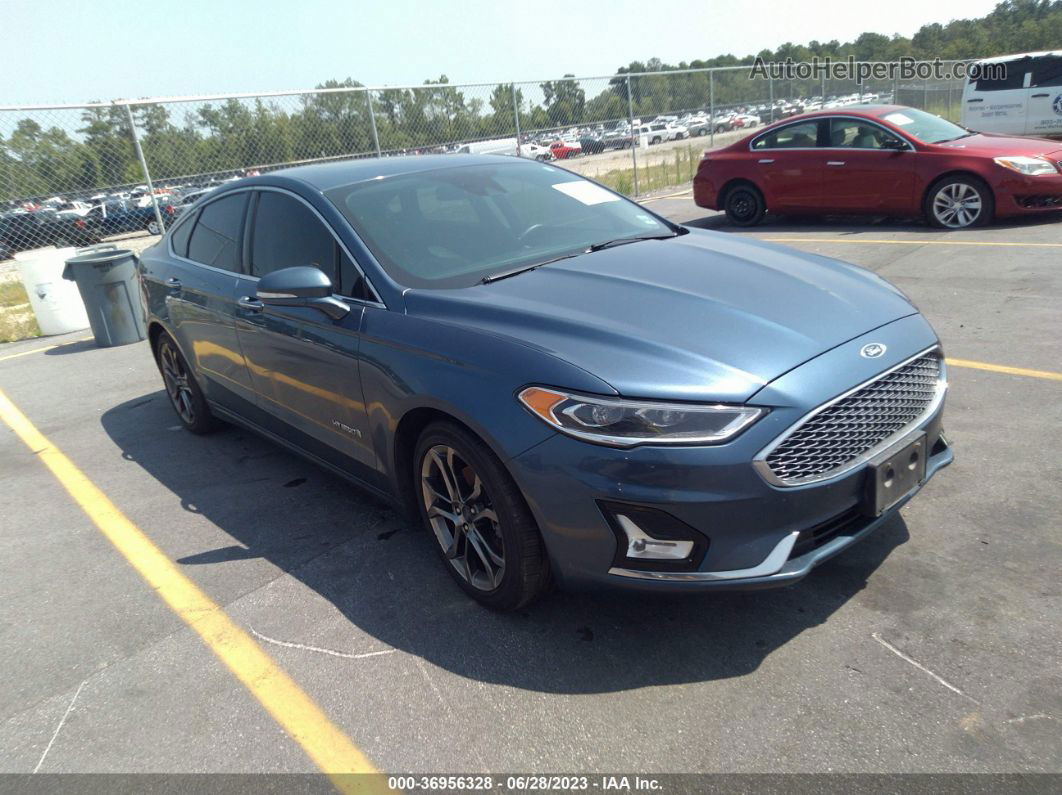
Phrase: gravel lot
(933, 646)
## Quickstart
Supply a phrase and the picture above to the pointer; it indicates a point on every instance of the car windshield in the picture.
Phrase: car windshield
(924, 126)
(451, 227)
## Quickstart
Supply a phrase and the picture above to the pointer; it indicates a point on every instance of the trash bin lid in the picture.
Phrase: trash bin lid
(96, 259)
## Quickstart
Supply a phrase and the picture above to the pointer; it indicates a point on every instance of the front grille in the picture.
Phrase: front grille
(835, 437)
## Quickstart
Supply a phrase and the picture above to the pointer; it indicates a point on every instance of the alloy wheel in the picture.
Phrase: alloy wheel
(957, 205)
(175, 376)
(462, 517)
(153, 227)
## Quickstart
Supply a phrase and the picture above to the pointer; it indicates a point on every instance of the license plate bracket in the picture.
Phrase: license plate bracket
(893, 473)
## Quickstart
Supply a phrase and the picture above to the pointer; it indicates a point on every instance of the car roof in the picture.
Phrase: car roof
(869, 110)
(325, 176)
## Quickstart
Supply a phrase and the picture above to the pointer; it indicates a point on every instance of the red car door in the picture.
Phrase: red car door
(789, 166)
(864, 172)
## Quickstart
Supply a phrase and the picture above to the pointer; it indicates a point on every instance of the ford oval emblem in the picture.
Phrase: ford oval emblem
(872, 350)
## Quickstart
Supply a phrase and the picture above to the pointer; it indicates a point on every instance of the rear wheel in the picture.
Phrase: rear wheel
(959, 202)
(183, 390)
(744, 205)
(485, 532)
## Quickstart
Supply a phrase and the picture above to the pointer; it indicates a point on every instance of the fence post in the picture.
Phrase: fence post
(711, 109)
(634, 138)
(516, 117)
(144, 166)
(822, 78)
(372, 121)
(925, 95)
(770, 90)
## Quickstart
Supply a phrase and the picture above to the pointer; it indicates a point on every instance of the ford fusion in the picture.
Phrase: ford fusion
(563, 386)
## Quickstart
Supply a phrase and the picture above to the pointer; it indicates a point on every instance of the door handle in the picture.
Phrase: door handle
(1038, 96)
(979, 99)
(767, 160)
(835, 162)
(249, 304)
(173, 283)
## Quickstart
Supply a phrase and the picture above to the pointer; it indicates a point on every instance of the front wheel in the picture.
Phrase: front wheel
(153, 228)
(744, 205)
(958, 203)
(485, 532)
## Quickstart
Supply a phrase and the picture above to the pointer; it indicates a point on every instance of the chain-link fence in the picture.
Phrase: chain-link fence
(73, 175)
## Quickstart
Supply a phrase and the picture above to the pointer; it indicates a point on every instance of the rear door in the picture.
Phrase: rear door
(304, 365)
(789, 166)
(998, 102)
(199, 292)
(861, 175)
(1045, 96)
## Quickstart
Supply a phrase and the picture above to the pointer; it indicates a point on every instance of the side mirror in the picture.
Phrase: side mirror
(301, 286)
(895, 144)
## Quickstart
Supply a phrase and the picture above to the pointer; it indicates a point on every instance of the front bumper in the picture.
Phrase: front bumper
(759, 535)
(1017, 194)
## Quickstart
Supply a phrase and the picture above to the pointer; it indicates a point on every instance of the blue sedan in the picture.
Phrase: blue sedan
(560, 385)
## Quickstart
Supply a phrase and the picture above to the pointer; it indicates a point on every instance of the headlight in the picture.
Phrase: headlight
(626, 423)
(1030, 166)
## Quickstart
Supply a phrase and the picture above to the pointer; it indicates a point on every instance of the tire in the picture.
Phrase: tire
(702, 132)
(506, 568)
(744, 205)
(959, 202)
(655, 140)
(152, 228)
(182, 389)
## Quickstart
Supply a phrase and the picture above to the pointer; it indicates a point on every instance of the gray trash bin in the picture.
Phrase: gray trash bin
(106, 279)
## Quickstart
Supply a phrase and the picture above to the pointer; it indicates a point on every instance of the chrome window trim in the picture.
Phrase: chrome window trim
(910, 146)
(759, 461)
(250, 188)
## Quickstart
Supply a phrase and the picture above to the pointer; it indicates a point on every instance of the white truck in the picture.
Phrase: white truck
(1022, 98)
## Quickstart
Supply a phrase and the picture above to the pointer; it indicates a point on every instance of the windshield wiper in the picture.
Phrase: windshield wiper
(525, 268)
(619, 241)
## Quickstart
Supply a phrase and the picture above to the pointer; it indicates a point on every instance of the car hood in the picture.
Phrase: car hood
(1001, 145)
(703, 316)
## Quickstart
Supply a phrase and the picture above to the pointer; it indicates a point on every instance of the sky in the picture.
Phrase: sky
(75, 51)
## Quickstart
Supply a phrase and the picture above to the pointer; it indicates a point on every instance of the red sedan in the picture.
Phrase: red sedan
(562, 150)
(881, 160)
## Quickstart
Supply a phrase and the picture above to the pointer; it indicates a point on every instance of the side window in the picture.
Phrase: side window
(854, 134)
(1014, 78)
(794, 136)
(287, 233)
(179, 237)
(1047, 71)
(215, 238)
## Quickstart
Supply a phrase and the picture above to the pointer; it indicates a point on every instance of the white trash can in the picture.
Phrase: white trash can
(56, 302)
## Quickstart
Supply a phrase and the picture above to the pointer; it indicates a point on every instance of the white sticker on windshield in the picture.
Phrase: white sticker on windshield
(899, 119)
(586, 192)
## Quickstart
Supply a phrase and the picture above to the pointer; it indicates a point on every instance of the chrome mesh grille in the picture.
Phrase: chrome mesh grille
(847, 429)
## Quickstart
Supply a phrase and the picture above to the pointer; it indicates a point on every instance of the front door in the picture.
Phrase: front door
(303, 364)
(862, 174)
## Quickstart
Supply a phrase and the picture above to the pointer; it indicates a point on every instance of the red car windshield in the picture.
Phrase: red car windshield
(924, 126)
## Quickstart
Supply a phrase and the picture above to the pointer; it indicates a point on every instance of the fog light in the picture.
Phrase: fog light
(640, 545)
(653, 540)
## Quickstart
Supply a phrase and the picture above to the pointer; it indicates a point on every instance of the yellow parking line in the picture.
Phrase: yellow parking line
(43, 349)
(1002, 368)
(331, 750)
(858, 240)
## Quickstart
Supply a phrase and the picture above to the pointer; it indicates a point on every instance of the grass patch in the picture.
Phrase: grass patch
(16, 318)
(670, 170)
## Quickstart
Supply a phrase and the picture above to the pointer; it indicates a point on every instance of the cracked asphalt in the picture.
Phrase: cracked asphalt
(933, 646)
